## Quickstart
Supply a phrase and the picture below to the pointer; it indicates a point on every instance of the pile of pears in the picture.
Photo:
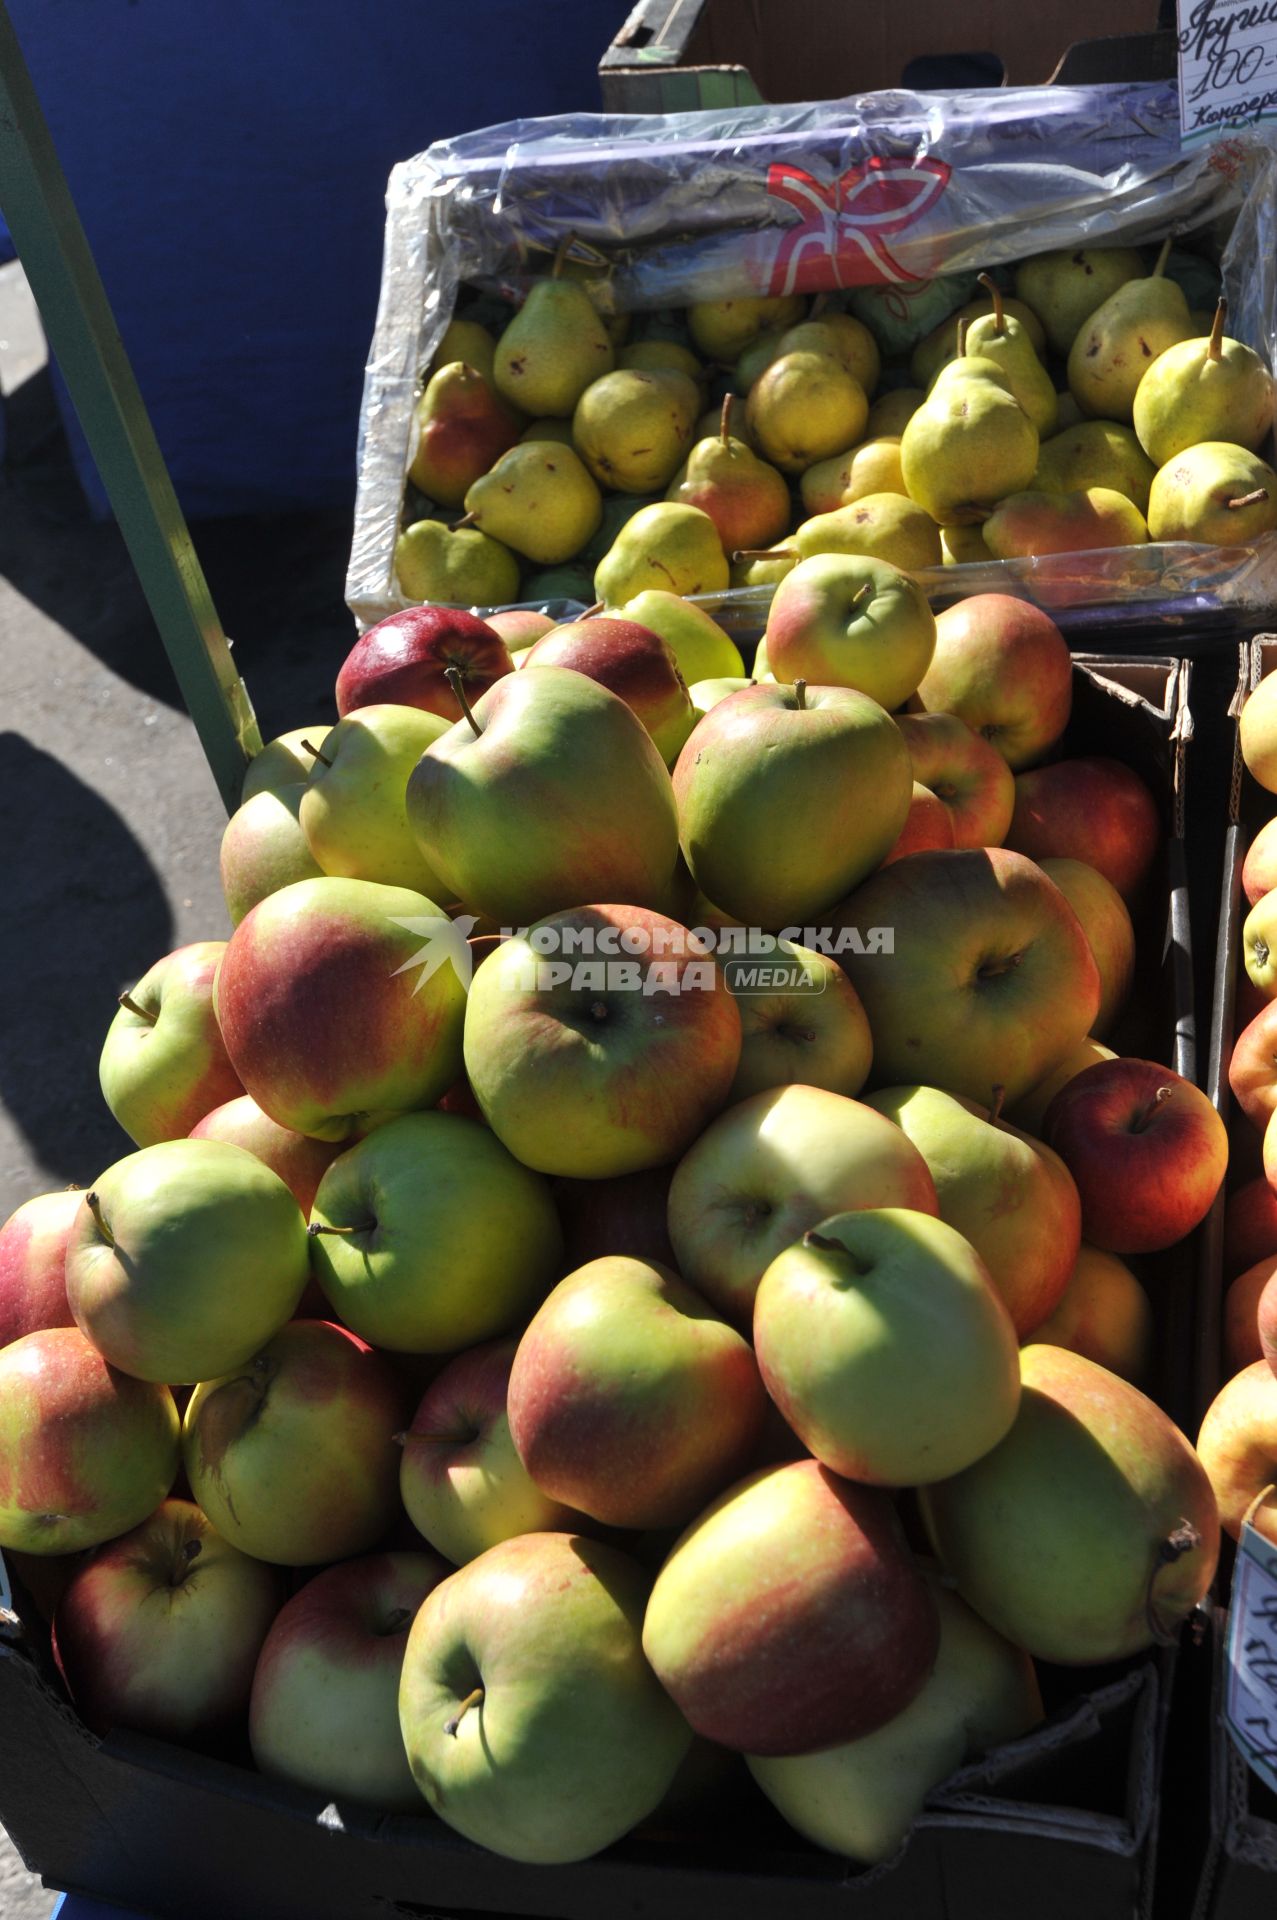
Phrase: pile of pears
(566, 454)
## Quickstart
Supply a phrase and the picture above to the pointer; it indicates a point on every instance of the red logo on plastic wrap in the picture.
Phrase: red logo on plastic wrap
(846, 222)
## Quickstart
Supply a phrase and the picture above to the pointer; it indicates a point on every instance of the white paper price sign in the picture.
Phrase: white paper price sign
(1250, 1709)
(1227, 65)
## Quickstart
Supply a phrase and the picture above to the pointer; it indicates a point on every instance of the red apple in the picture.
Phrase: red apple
(1238, 1448)
(635, 664)
(1147, 1149)
(403, 660)
(965, 771)
(928, 824)
(1252, 1070)
(299, 1160)
(1259, 868)
(520, 628)
(1250, 1226)
(1003, 666)
(33, 1247)
(1094, 810)
(1242, 1343)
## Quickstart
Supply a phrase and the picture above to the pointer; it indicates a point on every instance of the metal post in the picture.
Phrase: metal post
(77, 318)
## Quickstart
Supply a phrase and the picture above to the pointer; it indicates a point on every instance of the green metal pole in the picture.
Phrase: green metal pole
(77, 318)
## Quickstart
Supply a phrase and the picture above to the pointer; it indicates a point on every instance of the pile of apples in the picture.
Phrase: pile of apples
(599, 1352)
(594, 459)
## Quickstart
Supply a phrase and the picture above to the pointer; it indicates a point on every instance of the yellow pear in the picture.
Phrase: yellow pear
(553, 348)
(538, 499)
(457, 569)
(669, 546)
(1122, 339)
(722, 329)
(634, 428)
(805, 407)
(872, 467)
(1065, 287)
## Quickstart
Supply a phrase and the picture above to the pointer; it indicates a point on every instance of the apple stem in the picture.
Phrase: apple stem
(1247, 499)
(822, 1241)
(190, 1552)
(1180, 1540)
(318, 1226)
(725, 418)
(1160, 265)
(310, 748)
(1159, 1099)
(126, 1000)
(94, 1205)
(395, 1622)
(453, 676)
(994, 292)
(995, 1108)
(466, 520)
(860, 594)
(474, 1699)
(765, 553)
(1215, 349)
(800, 695)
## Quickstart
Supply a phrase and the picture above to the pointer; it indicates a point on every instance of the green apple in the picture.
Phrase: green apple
(264, 849)
(284, 762)
(844, 620)
(707, 693)
(353, 811)
(163, 1063)
(807, 1028)
(699, 645)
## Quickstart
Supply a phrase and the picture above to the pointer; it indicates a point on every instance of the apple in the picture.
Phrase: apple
(592, 1067)
(787, 797)
(1147, 1149)
(532, 1722)
(636, 664)
(325, 1696)
(1029, 1112)
(463, 1485)
(1242, 1342)
(701, 648)
(769, 1168)
(1252, 1068)
(624, 1215)
(353, 811)
(965, 772)
(987, 981)
(405, 659)
(1250, 1226)
(1237, 1447)
(1266, 1322)
(705, 694)
(429, 1235)
(160, 1631)
(1104, 1314)
(1092, 810)
(1257, 732)
(808, 1029)
(519, 628)
(887, 1348)
(284, 762)
(86, 1452)
(629, 1399)
(1259, 868)
(928, 825)
(33, 1244)
(791, 1614)
(300, 1161)
(860, 1799)
(163, 1062)
(264, 849)
(1107, 926)
(184, 1258)
(328, 1019)
(1003, 666)
(1090, 1532)
(293, 1456)
(551, 794)
(844, 620)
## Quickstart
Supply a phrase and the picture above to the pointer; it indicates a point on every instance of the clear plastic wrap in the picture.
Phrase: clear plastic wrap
(885, 190)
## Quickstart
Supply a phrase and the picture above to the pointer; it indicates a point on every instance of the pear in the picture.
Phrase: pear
(1068, 412)
(662, 356)
(1096, 453)
(872, 467)
(883, 526)
(757, 357)
(747, 500)
(552, 349)
(963, 546)
(669, 546)
(1214, 492)
(722, 329)
(1122, 338)
(560, 431)
(1000, 337)
(940, 346)
(701, 649)
(764, 572)
(538, 499)
(634, 429)
(1065, 287)
(848, 339)
(710, 422)
(1204, 389)
(617, 509)
(467, 341)
(890, 411)
(462, 428)
(805, 407)
(1076, 522)
(969, 445)
(464, 569)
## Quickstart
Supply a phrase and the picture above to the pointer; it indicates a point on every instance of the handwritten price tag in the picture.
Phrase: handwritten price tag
(1227, 65)
(1250, 1709)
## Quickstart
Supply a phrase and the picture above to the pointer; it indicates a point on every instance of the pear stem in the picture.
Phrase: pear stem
(127, 1000)
(765, 553)
(561, 254)
(962, 340)
(314, 750)
(994, 292)
(94, 1205)
(725, 419)
(466, 520)
(474, 1699)
(589, 612)
(1216, 346)
(453, 676)
(800, 695)
(1160, 267)
(1247, 499)
(995, 1110)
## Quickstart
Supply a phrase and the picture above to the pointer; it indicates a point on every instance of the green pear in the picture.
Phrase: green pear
(768, 572)
(747, 499)
(757, 357)
(963, 546)
(969, 445)
(1214, 492)
(889, 412)
(1075, 522)
(634, 428)
(662, 356)
(871, 467)
(559, 431)
(941, 344)
(1122, 338)
(618, 508)
(353, 811)
(538, 499)
(1065, 287)
(467, 341)
(1204, 389)
(552, 349)
(722, 329)
(461, 429)
(701, 649)
(1095, 453)
(669, 546)
(847, 338)
(884, 526)
(805, 407)
(459, 569)
(1000, 337)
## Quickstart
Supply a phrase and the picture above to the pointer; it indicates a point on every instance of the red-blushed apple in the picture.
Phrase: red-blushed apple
(1250, 1000)
(85, 1452)
(264, 849)
(164, 1064)
(1259, 868)
(519, 628)
(635, 663)
(337, 1007)
(1257, 734)
(532, 1722)
(626, 1215)
(1147, 1149)
(1090, 1532)
(405, 659)
(1269, 1151)
(1004, 667)
(299, 1160)
(601, 1042)
(845, 620)
(160, 1631)
(630, 1400)
(1250, 1226)
(353, 811)
(33, 1250)
(1266, 1322)
(769, 1168)
(928, 824)
(463, 1485)
(883, 1341)
(1242, 1344)
(965, 772)
(1106, 923)
(1094, 810)
(284, 763)
(802, 1023)
(1252, 1068)
(791, 1615)
(325, 1696)
(184, 1258)
(1238, 1448)
(986, 979)
(1029, 1111)
(1104, 1314)
(293, 1457)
